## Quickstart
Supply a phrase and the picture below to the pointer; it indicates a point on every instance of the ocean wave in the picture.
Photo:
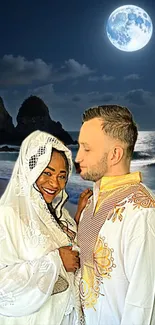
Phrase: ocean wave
(142, 159)
(10, 146)
(6, 168)
(141, 155)
(143, 163)
(76, 185)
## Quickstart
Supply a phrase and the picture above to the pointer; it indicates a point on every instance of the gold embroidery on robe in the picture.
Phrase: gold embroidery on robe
(142, 198)
(93, 276)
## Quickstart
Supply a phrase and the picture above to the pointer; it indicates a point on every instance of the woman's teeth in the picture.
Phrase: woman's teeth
(49, 191)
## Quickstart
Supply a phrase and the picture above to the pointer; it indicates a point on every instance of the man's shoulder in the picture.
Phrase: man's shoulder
(138, 198)
(142, 197)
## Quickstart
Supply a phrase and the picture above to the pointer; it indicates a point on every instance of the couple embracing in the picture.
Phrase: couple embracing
(94, 268)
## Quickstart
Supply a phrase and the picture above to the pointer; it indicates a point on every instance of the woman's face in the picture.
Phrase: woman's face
(53, 178)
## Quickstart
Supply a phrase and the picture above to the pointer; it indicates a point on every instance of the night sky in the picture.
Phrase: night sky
(59, 51)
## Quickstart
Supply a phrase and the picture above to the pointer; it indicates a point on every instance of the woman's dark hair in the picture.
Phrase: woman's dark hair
(62, 153)
(53, 212)
(50, 207)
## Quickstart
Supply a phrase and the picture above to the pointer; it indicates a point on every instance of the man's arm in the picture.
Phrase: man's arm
(139, 263)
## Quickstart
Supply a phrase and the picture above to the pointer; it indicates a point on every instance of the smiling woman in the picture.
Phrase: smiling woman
(39, 259)
(54, 177)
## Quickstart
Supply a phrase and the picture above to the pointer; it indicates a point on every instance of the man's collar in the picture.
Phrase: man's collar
(112, 182)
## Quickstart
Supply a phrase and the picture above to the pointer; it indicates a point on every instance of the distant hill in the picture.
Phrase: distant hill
(32, 115)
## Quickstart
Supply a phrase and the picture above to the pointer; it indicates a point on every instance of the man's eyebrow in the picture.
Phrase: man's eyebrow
(53, 170)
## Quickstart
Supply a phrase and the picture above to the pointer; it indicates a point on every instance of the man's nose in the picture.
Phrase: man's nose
(78, 157)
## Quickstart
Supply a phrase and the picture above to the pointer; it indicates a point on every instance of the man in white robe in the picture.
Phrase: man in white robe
(116, 231)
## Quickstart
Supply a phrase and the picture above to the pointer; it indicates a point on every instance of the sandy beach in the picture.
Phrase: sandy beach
(71, 207)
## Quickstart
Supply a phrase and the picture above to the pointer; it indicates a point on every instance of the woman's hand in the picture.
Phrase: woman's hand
(69, 258)
(83, 199)
(84, 196)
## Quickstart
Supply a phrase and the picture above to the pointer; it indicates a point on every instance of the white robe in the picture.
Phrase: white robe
(35, 288)
(125, 289)
(28, 277)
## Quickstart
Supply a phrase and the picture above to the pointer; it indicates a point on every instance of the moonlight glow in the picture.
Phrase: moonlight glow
(129, 28)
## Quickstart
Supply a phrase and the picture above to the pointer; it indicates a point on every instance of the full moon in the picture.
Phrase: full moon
(129, 28)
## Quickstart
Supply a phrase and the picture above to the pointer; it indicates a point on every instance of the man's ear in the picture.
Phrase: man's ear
(115, 155)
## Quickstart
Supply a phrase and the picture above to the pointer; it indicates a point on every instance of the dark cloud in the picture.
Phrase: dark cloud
(137, 96)
(77, 69)
(71, 70)
(101, 78)
(133, 76)
(19, 71)
(102, 98)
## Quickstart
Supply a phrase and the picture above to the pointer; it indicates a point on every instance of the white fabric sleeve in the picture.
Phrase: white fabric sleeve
(81, 216)
(24, 285)
(139, 263)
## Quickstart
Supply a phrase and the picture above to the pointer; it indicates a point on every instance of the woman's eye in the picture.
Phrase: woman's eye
(47, 173)
(62, 177)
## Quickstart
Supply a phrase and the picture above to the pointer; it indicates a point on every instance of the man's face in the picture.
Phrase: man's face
(94, 146)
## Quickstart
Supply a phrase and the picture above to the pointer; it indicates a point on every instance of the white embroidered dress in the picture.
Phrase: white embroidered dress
(35, 288)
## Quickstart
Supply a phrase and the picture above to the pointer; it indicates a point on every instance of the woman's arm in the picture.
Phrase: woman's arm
(25, 285)
(83, 199)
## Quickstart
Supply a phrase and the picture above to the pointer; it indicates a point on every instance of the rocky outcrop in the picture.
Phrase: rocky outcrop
(7, 129)
(8, 149)
(33, 115)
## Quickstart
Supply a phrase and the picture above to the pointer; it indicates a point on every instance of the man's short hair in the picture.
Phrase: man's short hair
(118, 123)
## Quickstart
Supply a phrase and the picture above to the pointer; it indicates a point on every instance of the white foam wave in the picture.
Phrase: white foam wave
(10, 146)
(142, 162)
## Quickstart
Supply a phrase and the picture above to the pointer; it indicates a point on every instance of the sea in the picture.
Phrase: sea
(143, 161)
